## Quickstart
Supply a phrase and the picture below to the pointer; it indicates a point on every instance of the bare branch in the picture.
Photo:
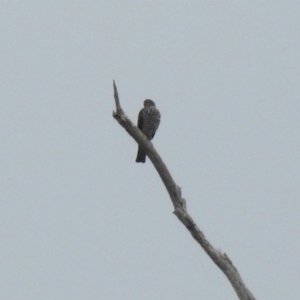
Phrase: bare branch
(117, 100)
(179, 203)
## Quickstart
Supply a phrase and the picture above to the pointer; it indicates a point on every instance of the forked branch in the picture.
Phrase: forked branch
(179, 203)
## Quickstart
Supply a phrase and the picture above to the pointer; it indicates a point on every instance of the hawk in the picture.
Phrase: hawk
(148, 122)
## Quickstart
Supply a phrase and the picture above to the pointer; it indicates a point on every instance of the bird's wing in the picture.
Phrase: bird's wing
(140, 120)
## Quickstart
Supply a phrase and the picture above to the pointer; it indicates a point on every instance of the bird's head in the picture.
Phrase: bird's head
(148, 103)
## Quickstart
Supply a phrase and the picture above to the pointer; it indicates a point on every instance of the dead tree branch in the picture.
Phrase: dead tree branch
(179, 203)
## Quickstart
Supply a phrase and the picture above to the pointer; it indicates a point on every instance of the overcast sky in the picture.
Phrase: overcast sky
(79, 219)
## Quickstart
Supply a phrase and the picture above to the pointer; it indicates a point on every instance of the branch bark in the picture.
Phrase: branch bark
(179, 203)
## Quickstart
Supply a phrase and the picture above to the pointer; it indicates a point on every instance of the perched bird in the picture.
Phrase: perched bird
(148, 122)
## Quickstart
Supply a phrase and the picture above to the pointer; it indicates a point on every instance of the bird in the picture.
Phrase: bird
(148, 122)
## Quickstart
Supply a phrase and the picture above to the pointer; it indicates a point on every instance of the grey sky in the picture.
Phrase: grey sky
(79, 219)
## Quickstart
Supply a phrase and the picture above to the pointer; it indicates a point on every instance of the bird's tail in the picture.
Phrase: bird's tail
(141, 156)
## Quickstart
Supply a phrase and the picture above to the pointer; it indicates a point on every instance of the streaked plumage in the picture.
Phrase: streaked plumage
(148, 122)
